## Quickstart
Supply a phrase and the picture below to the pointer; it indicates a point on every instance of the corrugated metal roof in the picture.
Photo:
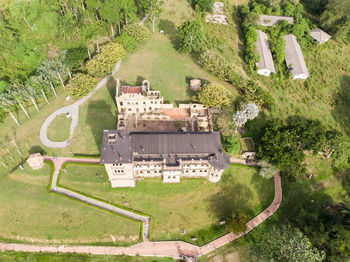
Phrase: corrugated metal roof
(294, 56)
(319, 35)
(263, 47)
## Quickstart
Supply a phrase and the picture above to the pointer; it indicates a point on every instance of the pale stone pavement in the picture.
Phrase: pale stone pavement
(174, 249)
(73, 110)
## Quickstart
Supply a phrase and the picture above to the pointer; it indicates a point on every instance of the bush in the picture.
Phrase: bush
(256, 94)
(104, 62)
(137, 31)
(76, 57)
(231, 145)
(128, 42)
(80, 85)
(204, 5)
(216, 64)
(215, 96)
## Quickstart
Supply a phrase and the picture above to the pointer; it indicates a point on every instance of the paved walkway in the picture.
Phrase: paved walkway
(58, 163)
(73, 110)
(174, 249)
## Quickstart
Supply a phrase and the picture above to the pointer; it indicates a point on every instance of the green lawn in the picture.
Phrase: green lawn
(29, 213)
(58, 130)
(191, 204)
(43, 257)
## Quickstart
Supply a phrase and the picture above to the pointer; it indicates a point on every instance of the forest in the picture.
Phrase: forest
(44, 43)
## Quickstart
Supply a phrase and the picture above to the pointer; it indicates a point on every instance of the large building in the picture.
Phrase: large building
(294, 58)
(265, 65)
(154, 139)
(170, 155)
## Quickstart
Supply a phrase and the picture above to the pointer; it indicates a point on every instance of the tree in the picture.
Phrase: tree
(239, 119)
(284, 243)
(104, 62)
(190, 36)
(7, 103)
(152, 8)
(128, 10)
(214, 96)
(110, 11)
(80, 85)
(251, 110)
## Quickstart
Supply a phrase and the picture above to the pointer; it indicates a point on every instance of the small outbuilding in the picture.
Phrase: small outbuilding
(271, 20)
(265, 65)
(35, 161)
(319, 36)
(195, 84)
(247, 148)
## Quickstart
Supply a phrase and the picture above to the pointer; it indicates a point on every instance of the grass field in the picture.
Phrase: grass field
(45, 257)
(29, 213)
(58, 130)
(194, 212)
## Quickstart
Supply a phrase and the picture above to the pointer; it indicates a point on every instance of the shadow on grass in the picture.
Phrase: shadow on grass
(170, 31)
(231, 199)
(100, 117)
(342, 103)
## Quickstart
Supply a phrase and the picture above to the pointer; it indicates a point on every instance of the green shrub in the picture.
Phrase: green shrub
(137, 31)
(214, 95)
(80, 85)
(76, 57)
(256, 94)
(128, 42)
(215, 63)
(204, 5)
(231, 145)
(104, 62)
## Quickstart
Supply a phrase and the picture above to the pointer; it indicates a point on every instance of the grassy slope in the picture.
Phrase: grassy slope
(161, 201)
(29, 212)
(58, 130)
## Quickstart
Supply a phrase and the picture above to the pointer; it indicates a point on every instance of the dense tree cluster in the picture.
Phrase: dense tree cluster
(284, 144)
(203, 5)
(44, 43)
(80, 85)
(284, 243)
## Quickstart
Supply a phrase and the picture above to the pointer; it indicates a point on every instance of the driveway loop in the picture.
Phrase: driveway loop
(73, 110)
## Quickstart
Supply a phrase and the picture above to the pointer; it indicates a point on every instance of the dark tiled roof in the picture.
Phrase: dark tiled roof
(167, 146)
(116, 147)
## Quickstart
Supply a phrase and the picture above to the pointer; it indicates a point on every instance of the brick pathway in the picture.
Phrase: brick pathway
(174, 249)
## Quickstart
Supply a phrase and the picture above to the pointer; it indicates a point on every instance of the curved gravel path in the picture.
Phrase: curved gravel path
(73, 110)
(174, 249)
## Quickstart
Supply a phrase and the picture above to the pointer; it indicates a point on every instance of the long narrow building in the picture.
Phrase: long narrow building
(294, 58)
(265, 65)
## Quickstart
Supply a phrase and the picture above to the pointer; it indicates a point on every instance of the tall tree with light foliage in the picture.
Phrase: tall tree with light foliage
(152, 9)
(251, 110)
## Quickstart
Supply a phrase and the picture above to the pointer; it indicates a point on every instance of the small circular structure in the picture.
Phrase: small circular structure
(35, 161)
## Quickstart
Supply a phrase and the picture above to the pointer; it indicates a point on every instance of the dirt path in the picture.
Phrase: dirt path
(174, 249)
